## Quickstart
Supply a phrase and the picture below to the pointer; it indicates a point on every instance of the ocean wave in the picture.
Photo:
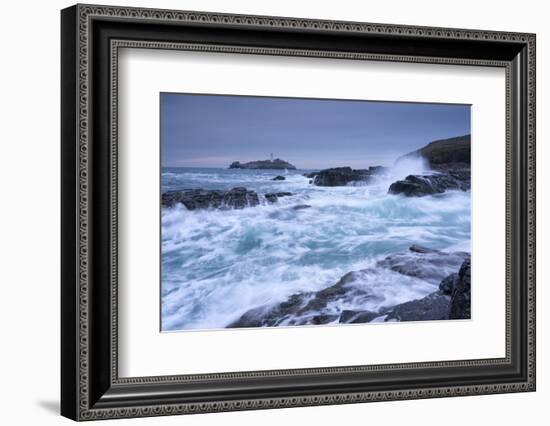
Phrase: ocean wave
(217, 264)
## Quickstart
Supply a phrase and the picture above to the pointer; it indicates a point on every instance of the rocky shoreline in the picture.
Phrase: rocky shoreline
(235, 198)
(451, 300)
(430, 184)
(449, 160)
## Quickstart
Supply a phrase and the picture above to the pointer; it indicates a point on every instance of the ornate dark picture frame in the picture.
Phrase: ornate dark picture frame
(90, 385)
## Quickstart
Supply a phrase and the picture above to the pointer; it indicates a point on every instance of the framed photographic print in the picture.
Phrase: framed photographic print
(263, 212)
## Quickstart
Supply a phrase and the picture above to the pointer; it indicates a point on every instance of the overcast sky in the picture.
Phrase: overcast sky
(214, 131)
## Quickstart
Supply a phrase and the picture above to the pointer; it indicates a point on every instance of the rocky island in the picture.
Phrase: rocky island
(276, 164)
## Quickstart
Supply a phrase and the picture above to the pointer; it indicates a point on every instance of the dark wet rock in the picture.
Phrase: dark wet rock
(323, 319)
(421, 249)
(451, 301)
(320, 299)
(273, 197)
(431, 265)
(276, 164)
(302, 308)
(339, 176)
(357, 317)
(301, 207)
(310, 175)
(271, 315)
(461, 296)
(445, 154)
(252, 318)
(435, 306)
(448, 284)
(236, 198)
(352, 289)
(342, 176)
(429, 184)
(279, 178)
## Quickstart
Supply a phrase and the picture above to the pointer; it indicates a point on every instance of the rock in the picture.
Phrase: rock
(269, 316)
(461, 296)
(420, 185)
(434, 306)
(323, 319)
(279, 178)
(431, 265)
(448, 284)
(310, 175)
(252, 318)
(276, 164)
(273, 197)
(301, 308)
(339, 176)
(357, 317)
(192, 199)
(342, 176)
(301, 207)
(451, 301)
(353, 289)
(320, 299)
(420, 249)
(445, 154)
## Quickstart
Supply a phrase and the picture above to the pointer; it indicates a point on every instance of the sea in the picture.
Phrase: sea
(219, 264)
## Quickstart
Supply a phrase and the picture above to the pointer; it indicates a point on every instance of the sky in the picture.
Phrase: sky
(215, 130)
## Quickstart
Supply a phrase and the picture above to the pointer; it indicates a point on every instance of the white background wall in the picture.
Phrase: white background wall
(29, 225)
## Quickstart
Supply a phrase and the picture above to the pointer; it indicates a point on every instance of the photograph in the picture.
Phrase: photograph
(281, 212)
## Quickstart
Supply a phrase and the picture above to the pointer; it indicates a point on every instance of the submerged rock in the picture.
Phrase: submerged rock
(427, 264)
(342, 176)
(276, 164)
(420, 249)
(420, 185)
(301, 207)
(236, 198)
(279, 178)
(273, 197)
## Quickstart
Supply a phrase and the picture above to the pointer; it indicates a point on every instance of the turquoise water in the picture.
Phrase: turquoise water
(217, 264)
